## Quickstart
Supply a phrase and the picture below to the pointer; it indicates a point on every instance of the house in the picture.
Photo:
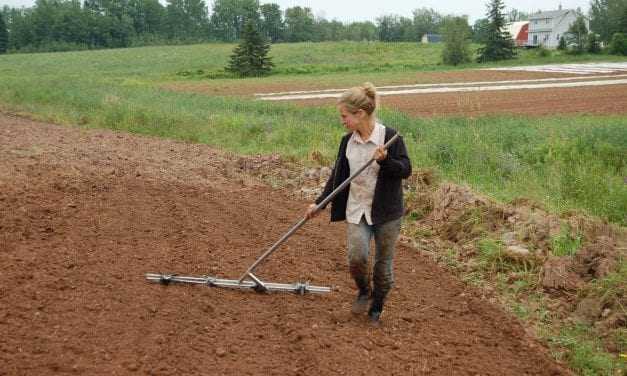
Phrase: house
(431, 38)
(519, 32)
(546, 28)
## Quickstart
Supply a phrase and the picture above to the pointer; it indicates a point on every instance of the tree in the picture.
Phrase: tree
(514, 15)
(230, 16)
(426, 20)
(562, 44)
(4, 36)
(272, 22)
(622, 26)
(299, 24)
(577, 35)
(456, 41)
(499, 44)
(593, 44)
(480, 31)
(360, 31)
(147, 15)
(187, 19)
(250, 57)
(606, 17)
(618, 45)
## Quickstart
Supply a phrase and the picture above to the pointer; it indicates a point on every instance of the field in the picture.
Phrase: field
(86, 211)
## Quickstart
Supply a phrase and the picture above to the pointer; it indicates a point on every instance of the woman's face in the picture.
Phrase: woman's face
(349, 120)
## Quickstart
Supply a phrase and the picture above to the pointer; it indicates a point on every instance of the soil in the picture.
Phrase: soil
(540, 102)
(537, 102)
(85, 213)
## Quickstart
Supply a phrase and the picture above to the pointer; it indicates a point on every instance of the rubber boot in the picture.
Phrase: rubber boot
(360, 305)
(376, 308)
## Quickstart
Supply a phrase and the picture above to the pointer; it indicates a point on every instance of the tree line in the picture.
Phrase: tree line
(53, 25)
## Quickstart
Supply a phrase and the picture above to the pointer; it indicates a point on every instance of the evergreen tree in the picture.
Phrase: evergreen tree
(562, 44)
(499, 44)
(456, 41)
(578, 35)
(4, 36)
(250, 57)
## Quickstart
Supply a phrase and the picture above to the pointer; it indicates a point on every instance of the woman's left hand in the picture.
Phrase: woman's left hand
(380, 154)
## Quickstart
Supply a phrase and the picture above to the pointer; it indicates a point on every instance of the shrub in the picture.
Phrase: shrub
(618, 45)
(542, 51)
(593, 44)
(456, 41)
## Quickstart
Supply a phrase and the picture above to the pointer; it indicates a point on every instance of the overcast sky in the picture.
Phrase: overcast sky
(361, 10)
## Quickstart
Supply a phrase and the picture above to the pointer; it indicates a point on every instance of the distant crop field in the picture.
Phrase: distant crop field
(565, 162)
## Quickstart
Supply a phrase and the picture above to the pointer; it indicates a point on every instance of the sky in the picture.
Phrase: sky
(369, 10)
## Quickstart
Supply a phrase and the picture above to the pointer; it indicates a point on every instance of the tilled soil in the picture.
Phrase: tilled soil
(85, 213)
(600, 100)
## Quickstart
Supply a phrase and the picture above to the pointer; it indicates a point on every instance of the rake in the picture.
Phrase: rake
(248, 280)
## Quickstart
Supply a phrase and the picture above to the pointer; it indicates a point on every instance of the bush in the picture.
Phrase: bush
(618, 45)
(562, 44)
(542, 51)
(456, 42)
(593, 44)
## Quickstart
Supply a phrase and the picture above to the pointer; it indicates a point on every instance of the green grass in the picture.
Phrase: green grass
(565, 244)
(585, 352)
(572, 162)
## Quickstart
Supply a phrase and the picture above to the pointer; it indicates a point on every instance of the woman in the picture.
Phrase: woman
(373, 202)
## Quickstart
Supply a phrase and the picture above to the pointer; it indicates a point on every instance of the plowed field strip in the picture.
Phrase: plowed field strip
(84, 214)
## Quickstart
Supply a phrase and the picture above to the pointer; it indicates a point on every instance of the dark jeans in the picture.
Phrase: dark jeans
(385, 237)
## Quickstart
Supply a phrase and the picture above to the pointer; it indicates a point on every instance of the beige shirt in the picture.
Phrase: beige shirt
(361, 191)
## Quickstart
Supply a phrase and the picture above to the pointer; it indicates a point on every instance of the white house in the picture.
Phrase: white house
(546, 28)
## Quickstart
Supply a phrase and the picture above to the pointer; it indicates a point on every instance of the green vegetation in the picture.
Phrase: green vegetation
(4, 36)
(499, 44)
(250, 58)
(456, 41)
(565, 244)
(585, 352)
(565, 163)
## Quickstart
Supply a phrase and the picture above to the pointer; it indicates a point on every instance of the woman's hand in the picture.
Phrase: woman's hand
(311, 211)
(380, 154)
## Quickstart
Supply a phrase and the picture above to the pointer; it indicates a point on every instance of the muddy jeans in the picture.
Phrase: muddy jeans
(385, 237)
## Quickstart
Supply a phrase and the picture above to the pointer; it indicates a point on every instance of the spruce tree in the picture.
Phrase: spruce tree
(562, 44)
(499, 44)
(4, 36)
(578, 35)
(250, 57)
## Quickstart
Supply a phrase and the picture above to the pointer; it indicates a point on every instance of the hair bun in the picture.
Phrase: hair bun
(370, 90)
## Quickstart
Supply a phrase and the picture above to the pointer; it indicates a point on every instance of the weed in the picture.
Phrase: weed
(566, 244)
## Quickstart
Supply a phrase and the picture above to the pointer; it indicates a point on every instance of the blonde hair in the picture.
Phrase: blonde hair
(362, 97)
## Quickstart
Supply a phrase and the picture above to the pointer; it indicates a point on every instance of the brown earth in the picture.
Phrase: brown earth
(85, 213)
(611, 99)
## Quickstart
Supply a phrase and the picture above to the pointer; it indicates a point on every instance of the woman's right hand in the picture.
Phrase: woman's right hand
(311, 211)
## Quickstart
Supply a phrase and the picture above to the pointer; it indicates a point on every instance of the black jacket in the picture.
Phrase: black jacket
(387, 203)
